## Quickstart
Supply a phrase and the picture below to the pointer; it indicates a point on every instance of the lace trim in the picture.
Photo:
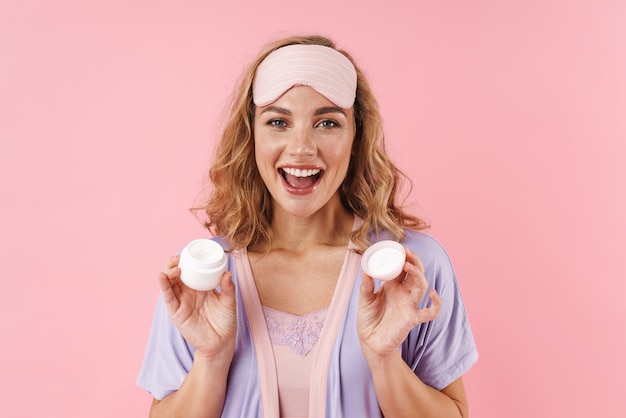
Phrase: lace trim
(299, 333)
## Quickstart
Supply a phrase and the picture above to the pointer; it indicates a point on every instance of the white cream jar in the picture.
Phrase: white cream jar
(384, 260)
(202, 263)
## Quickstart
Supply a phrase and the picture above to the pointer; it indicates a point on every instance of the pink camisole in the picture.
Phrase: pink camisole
(294, 341)
(294, 386)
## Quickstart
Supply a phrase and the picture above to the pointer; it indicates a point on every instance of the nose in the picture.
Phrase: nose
(301, 143)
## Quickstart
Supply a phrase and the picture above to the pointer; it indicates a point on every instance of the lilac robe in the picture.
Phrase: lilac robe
(438, 352)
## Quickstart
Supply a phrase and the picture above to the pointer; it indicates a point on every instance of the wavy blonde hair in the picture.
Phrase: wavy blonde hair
(239, 205)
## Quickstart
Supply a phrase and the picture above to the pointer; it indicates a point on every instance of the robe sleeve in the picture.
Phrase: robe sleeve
(441, 350)
(168, 357)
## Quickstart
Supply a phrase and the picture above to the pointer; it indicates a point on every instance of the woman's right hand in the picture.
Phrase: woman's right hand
(207, 319)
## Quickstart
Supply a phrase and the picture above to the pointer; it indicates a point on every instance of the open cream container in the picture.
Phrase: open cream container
(384, 260)
(202, 263)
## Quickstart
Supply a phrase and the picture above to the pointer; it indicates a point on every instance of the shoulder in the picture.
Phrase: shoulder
(221, 241)
(438, 267)
(429, 249)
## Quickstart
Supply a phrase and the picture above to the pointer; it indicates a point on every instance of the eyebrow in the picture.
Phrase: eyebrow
(276, 109)
(329, 109)
(320, 111)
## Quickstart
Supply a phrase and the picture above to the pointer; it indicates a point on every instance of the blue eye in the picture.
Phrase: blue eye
(328, 124)
(277, 123)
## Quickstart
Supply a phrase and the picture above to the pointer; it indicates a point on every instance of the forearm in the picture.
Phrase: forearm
(402, 394)
(202, 393)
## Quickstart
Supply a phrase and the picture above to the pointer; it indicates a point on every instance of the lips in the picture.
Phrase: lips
(300, 181)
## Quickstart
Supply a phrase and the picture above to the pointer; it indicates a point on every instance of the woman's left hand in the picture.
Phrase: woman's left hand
(385, 317)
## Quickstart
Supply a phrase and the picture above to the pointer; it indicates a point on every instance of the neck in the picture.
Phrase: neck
(329, 228)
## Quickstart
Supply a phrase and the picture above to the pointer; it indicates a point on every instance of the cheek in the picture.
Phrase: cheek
(343, 155)
(265, 154)
(339, 162)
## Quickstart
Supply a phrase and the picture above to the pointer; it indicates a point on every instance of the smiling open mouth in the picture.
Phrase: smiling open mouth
(300, 179)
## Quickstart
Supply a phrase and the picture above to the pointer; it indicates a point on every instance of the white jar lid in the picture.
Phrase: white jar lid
(205, 252)
(384, 260)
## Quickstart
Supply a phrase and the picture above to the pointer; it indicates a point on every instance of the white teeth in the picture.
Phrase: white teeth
(300, 173)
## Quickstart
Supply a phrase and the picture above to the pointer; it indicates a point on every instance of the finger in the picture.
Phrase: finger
(169, 295)
(414, 259)
(399, 280)
(227, 286)
(172, 262)
(430, 313)
(367, 288)
(173, 273)
(415, 279)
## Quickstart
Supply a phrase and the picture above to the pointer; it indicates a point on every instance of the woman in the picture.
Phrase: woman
(301, 186)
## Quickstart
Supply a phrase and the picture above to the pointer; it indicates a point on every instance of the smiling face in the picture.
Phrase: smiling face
(303, 144)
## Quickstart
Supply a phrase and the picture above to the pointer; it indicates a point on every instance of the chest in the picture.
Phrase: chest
(298, 284)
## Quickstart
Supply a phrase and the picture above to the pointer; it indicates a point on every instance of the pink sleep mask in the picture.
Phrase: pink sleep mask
(324, 69)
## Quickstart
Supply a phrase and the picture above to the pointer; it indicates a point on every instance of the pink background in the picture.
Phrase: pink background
(509, 117)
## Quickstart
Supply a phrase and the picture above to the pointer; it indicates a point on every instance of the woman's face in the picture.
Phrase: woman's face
(303, 144)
